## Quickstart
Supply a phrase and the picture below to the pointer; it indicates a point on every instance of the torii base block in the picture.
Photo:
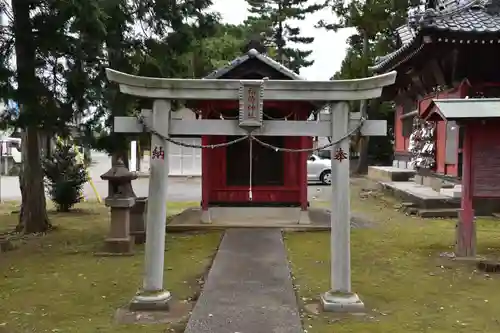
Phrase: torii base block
(151, 302)
(341, 302)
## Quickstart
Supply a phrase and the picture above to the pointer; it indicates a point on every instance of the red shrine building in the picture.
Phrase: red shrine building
(230, 174)
(451, 50)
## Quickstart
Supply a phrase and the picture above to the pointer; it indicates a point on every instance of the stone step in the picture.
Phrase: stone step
(438, 212)
(436, 183)
(453, 192)
(245, 215)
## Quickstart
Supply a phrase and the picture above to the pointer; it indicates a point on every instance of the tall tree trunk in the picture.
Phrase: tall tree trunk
(118, 102)
(33, 217)
(33, 214)
(362, 167)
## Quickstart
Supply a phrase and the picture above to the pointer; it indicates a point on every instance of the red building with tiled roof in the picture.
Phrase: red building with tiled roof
(449, 50)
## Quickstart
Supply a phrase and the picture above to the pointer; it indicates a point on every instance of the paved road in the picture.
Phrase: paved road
(180, 188)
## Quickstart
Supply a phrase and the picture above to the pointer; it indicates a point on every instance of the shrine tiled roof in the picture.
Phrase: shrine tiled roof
(253, 53)
(406, 34)
(454, 16)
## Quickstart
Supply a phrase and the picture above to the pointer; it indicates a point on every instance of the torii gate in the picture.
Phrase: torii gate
(251, 94)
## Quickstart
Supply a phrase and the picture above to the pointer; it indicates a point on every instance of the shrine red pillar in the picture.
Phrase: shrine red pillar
(303, 173)
(466, 230)
(205, 178)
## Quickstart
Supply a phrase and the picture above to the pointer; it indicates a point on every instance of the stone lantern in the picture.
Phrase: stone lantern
(120, 200)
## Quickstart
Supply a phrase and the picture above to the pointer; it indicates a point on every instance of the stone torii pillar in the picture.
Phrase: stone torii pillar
(339, 125)
(154, 297)
(340, 297)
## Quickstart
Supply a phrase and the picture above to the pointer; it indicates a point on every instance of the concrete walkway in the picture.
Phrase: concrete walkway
(249, 288)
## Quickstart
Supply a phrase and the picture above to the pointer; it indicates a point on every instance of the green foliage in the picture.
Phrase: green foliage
(375, 23)
(53, 55)
(375, 20)
(63, 44)
(65, 176)
(271, 19)
(196, 43)
(223, 45)
(72, 42)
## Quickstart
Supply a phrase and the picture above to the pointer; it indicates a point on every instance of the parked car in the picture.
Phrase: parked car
(319, 169)
(324, 153)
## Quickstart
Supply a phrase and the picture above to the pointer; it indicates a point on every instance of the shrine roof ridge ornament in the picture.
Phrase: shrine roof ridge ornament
(228, 89)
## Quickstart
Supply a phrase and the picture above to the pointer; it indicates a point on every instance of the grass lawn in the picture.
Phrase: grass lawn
(397, 271)
(55, 283)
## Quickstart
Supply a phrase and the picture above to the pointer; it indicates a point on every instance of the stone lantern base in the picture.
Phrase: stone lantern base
(119, 241)
(114, 246)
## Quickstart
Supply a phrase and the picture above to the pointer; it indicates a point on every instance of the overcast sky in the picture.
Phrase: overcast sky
(329, 48)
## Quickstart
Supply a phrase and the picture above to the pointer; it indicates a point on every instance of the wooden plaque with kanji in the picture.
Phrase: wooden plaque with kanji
(251, 104)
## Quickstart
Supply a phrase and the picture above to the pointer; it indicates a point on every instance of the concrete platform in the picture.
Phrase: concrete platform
(259, 217)
(421, 196)
(251, 215)
(390, 174)
(249, 288)
(429, 203)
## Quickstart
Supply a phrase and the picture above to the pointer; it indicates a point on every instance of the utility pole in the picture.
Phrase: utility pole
(362, 167)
